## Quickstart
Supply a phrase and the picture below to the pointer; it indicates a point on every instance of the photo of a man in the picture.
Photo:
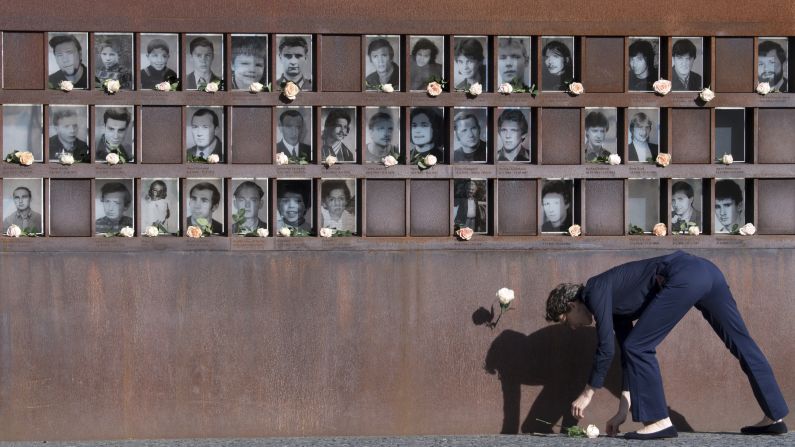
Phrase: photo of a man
(293, 131)
(156, 62)
(204, 202)
(112, 132)
(513, 61)
(113, 206)
(339, 133)
(684, 54)
(684, 207)
(600, 136)
(728, 206)
(204, 133)
(772, 63)
(294, 61)
(381, 65)
(556, 205)
(201, 59)
(294, 204)
(66, 61)
(514, 135)
(249, 197)
(68, 125)
(469, 132)
(470, 204)
(22, 198)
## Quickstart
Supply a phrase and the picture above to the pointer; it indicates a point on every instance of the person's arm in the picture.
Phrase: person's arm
(621, 415)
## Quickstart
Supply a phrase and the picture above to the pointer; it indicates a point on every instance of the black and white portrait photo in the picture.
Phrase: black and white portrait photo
(114, 131)
(557, 205)
(249, 60)
(204, 133)
(338, 133)
(338, 204)
(730, 133)
(205, 197)
(69, 132)
(382, 62)
(685, 204)
(426, 132)
(773, 67)
(513, 61)
(294, 133)
(294, 204)
(729, 205)
(23, 130)
(113, 59)
(557, 63)
(643, 134)
(382, 135)
(643, 206)
(688, 64)
(470, 135)
(426, 61)
(157, 65)
(294, 61)
(23, 204)
(160, 205)
(114, 207)
(471, 204)
(470, 59)
(600, 133)
(67, 61)
(644, 67)
(204, 60)
(250, 200)
(513, 135)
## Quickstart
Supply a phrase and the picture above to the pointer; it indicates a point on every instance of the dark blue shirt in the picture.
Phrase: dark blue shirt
(616, 298)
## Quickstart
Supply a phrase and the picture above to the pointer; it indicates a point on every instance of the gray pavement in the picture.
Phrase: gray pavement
(684, 439)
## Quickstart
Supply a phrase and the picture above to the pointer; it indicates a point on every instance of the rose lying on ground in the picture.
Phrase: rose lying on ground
(505, 296)
(592, 431)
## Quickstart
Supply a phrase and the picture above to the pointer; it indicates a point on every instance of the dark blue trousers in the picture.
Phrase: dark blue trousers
(692, 281)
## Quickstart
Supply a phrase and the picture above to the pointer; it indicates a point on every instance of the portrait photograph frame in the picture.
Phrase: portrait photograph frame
(288, 212)
(301, 149)
(557, 212)
(336, 137)
(558, 53)
(643, 63)
(431, 52)
(114, 59)
(382, 133)
(199, 72)
(68, 123)
(248, 52)
(114, 131)
(471, 62)
(730, 133)
(289, 65)
(114, 205)
(23, 129)
(159, 59)
(205, 133)
(514, 128)
(27, 194)
(769, 62)
(643, 134)
(599, 142)
(687, 54)
(199, 200)
(65, 51)
(160, 205)
(339, 210)
(382, 61)
(682, 200)
(731, 205)
(250, 196)
(427, 133)
(515, 62)
(471, 207)
(467, 136)
(643, 204)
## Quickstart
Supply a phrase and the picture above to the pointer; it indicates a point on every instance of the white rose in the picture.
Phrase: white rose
(505, 88)
(475, 89)
(262, 232)
(326, 232)
(25, 158)
(112, 86)
(727, 159)
(575, 230)
(694, 230)
(614, 159)
(388, 88)
(592, 431)
(429, 160)
(256, 87)
(163, 86)
(330, 161)
(706, 95)
(434, 89)
(66, 86)
(663, 159)
(127, 232)
(763, 88)
(194, 232)
(14, 231)
(112, 158)
(213, 159)
(66, 159)
(505, 295)
(389, 161)
(465, 233)
(285, 231)
(290, 90)
(576, 88)
(662, 86)
(748, 229)
(660, 229)
(152, 231)
(282, 159)
(211, 87)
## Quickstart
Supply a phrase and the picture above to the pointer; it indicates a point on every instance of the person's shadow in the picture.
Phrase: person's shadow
(558, 360)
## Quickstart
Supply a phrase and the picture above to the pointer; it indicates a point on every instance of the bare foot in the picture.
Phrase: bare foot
(654, 427)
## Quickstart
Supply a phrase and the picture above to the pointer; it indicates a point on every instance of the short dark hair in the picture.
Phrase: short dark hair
(207, 186)
(116, 113)
(560, 299)
(293, 186)
(330, 185)
(471, 48)
(248, 46)
(436, 122)
(379, 43)
(557, 187)
(293, 41)
(109, 188)
(425, 44)
(596, 119)
(684, 46)
(728, 189)
(61, 113)
(22, 187)
(514, 115)
(204, 112)
(682, 187)
(561, 49)
(461, 116)
(380, 116)
(63, 38)
(334, 115)
(507, 42)
(113, 42)
(201, 41)
(645, 49)
(249, 184)
(157, 43)
(768, 45)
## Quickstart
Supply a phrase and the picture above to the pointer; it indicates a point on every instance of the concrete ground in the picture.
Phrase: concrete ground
(684, 439)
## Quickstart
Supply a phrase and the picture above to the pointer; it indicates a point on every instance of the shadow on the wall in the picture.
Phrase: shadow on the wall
(558, 360)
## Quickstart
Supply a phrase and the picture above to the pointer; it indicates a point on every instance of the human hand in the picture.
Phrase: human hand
(581, 403)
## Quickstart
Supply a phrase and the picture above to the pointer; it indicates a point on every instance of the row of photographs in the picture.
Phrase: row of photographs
(468, 134)
(113, 55)
(160, 204)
